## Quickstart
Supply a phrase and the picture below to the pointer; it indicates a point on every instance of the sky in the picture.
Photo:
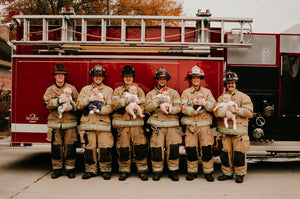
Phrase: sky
(269, 16)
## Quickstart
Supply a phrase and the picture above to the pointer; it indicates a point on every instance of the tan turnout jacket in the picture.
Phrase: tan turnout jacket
(245, 111)
(158, 118)
(69, 119)
(120, 117)
(190, 118)
(97, 121)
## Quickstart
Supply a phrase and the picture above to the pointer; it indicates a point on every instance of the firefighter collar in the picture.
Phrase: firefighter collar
(60, 86)
(233, 93)
(100, 86)
(158, 91)
(193, 89)
(126, 86)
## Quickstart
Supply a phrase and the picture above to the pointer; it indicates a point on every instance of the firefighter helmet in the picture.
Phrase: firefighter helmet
(196, 71)
(128, 71)
(162, 73)
(98, 70)
(230, 77)
(59, 68)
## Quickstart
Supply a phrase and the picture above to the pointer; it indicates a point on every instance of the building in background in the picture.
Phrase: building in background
(5, 58)
(5, 80)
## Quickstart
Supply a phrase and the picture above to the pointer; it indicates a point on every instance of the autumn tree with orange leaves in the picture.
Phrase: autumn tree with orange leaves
(95, 7)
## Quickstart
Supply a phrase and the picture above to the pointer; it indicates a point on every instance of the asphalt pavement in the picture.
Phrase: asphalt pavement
(25, 173)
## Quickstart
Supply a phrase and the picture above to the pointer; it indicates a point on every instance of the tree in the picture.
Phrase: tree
(87, 7)
(4, 109)
(149, 7)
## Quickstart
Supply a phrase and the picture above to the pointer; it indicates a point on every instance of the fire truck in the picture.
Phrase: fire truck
(268, 66)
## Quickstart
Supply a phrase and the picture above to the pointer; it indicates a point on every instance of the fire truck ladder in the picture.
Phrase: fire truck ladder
(200, 27)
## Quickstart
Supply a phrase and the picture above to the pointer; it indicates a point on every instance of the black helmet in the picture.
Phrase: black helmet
(128, 71)
(98, 70)
(162, 73)
(59, 68)
(230, 77)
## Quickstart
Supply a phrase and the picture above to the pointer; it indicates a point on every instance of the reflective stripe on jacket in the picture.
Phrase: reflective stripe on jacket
(98, 121)
(157, 117)
(202, 119)
(245, 111)
(69, 118)
(120, 117)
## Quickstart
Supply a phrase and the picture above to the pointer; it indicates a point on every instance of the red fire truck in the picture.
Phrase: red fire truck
(268, 66)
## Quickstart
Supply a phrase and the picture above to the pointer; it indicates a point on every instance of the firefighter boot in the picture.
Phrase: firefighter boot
(209, 177)
(239, 178)
(143, 176)
(56, 173)
(123, 176)
(156, 176)
(173, 175)
(224, 177)
(71, 173)
(88, 175)
(191, 176)
(106, 175)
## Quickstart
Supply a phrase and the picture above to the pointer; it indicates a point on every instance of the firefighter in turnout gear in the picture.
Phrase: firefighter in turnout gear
(62, 132)
(130, 131)
(234, 143)
(96, 128)
(165, 127)
(198, 132)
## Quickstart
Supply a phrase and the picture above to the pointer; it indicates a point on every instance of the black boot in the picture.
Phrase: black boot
(209, 177)
(106, 175)
(71, 173)
(191, 176)
(239, 178)
(123, 176)
(224, 177)
(143, 176)
(88, 175)
(173, 175)
(156, 176)
(56, 173)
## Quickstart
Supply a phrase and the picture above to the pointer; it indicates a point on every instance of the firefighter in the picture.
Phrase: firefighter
(234, 143)
(97, 134)
(198, 132)
(165, 127)
(130, 131)
(62, 132)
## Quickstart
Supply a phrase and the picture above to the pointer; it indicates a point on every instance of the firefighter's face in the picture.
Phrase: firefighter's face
(98, 79)
(161, 82)
(196, 81)
(231, 86)
(59, 78)
(128, 79)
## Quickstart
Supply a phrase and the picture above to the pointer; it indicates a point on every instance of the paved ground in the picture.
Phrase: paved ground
(25, 174)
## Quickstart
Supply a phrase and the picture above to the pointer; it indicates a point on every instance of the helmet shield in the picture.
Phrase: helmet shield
(59, 68)
(196, 71)
(162, 73)
(128, 71)
(97, 70)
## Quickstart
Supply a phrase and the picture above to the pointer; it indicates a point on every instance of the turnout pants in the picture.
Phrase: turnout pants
(233, 155)
(171, 138)
(134, 135)
(98, 145)
(202, 137)
(63, 150)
